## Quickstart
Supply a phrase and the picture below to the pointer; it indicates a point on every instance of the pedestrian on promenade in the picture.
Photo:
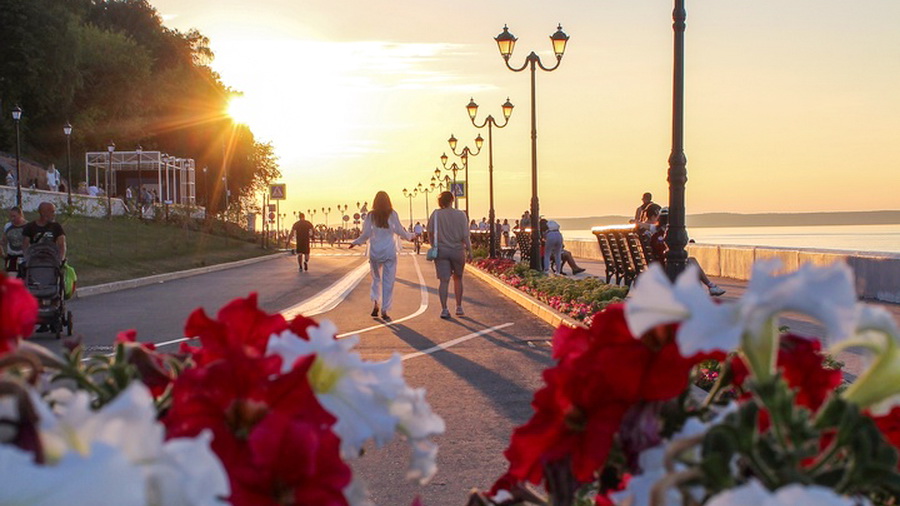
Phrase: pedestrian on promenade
(45, 229)
(448, 231)
(505, 230)
(640, 214)
(301, 231)
(53, 178)
(381, 228)
(11, 242)
(553, 247)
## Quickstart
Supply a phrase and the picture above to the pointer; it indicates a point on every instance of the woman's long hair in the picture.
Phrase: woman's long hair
(381, 210)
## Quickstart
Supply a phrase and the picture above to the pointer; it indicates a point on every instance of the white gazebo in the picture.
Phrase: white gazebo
(172, 178)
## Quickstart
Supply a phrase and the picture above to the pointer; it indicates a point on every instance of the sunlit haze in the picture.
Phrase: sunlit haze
(789, 105)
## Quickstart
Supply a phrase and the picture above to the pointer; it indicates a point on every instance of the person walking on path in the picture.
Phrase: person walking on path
(301, 231)
(11, 242)
(380, 229)
(448, 231)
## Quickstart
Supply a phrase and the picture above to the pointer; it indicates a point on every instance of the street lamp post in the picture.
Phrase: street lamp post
(490, 122)
(206, 191)
(464, 156)
(410, 195)
(453, 168)
(425, 190)
(326, 213)
(676, 235)
(67, 129)
(17, 115)
(506, 42)
(111, 148)
(140, 152)
(343, 211)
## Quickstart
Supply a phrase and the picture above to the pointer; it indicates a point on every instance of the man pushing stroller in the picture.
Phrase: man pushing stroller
(45, 230)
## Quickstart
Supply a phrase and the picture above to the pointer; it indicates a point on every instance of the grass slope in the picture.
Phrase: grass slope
(124, 248)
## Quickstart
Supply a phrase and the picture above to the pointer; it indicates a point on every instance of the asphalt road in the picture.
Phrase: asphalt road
(480, 370)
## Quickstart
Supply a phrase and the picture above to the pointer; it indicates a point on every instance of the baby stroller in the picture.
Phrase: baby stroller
(44, 280)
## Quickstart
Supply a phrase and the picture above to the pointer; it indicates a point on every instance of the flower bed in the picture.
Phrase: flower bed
(614, 423)
(578, 298)
(265, 411)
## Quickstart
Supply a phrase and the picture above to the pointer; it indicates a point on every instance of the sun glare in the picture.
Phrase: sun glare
(240, 109)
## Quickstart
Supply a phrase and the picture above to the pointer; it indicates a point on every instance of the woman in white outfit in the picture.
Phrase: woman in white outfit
(380, 229)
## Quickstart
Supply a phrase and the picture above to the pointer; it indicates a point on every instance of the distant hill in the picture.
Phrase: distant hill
(753, 220)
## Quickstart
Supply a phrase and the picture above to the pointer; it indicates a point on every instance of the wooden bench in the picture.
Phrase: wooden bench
(523, 243)
(626, 252)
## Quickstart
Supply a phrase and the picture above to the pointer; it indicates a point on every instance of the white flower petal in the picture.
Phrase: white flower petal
(653, 302)
(824, 293)
(104, 476)
(188, 473)
(754, 493)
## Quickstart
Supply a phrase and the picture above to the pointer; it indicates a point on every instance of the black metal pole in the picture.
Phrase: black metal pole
(492, 249)
(69, 168)
(18, 171)
(535, 207)
(468, 186)
(108, 189)
(676, 236)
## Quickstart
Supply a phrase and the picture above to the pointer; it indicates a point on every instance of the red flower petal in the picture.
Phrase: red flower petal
(18, 313)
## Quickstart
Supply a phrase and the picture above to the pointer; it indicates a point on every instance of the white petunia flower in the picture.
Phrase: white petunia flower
(705, 325)
(753, 493)
(103, 476)
(125, 434)
(878, 387)
(370, 400)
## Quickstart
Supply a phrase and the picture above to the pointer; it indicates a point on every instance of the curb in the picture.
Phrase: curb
(532, 305)
(115, 286)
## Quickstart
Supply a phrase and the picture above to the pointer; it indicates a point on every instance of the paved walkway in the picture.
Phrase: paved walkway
(800, 324)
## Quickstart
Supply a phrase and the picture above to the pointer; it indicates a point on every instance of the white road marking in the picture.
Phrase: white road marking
(335, 294)
(329, 298)
(454, 342)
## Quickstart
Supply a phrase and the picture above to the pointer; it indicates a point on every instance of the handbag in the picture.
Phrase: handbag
(432, 253)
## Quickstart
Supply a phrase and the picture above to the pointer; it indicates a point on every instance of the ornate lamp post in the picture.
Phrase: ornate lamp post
(506, 42)
(410, 195)
(140, 152)
(490, 122)
(206, 190)
(326, 215)
(464, 156)
(342, 210)
(453, 168)
(111, 148)
(17, 115)
(67, 129)
(676, 236)
(425, 190)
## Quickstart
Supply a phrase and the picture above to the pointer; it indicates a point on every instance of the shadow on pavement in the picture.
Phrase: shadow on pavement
(505, 394)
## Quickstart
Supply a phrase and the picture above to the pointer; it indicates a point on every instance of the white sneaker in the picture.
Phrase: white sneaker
(445, 314)
(715, 291)
(459, 311)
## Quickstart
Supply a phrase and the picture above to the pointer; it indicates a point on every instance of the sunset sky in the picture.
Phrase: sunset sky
(791, 105)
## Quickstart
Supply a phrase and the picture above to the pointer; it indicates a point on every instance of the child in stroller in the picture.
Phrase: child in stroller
(44, 280)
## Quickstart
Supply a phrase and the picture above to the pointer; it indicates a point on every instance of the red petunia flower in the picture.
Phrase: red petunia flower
(801, 364)
(240, 325)
(889, 425)
(18, 313)
(602, 372)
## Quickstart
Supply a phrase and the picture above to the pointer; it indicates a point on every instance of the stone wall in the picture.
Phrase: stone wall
(877, 274)
(82, 204)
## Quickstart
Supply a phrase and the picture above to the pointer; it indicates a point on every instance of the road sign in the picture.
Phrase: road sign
(271, 208)
(278, 191)
(271, 216)
(346, 218)
(458, 189)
